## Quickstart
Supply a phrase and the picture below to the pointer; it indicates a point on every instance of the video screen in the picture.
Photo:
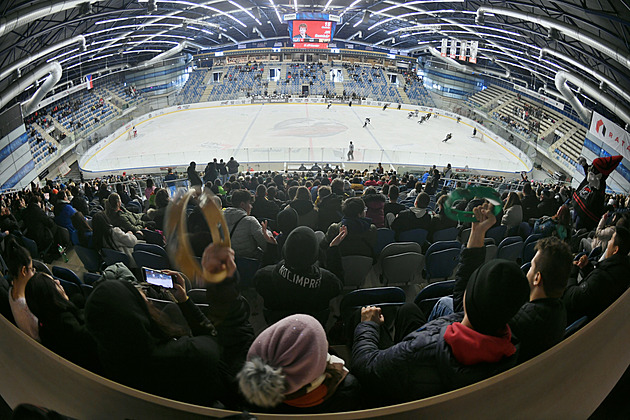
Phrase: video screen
(311, 33)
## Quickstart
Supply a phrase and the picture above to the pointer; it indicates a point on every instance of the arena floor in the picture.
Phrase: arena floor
(298, 133)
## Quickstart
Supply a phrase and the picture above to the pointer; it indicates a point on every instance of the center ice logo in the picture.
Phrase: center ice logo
(309, 127)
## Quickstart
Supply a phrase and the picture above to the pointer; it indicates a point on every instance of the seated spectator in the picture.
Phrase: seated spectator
(375, 203)
(529, 202)
(393, 206)
(64, 211)
(264, 208)
(112, 237)
(558, 225)
(513, 212)
(124, 197)
(121, 217)
(148, 191)
(307, 214)
(79, 202)
(328, 207)
(289, 370)
(449, 352)
(604, 231)
(297, 284)
(548, 205)
(162, 200)
(602, 284)
(416, 217)
(21, 270)
(140, 348)
(417, 189)
(83, 229)
(540, 323)
(246, 233)
(432, 182)
(439, 220)
(39, 226)
(361, 237)
(61, 324)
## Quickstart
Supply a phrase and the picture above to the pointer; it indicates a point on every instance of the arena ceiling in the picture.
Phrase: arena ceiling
(510, 34)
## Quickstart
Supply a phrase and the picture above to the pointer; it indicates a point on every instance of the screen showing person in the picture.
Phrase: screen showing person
(301, 35)
(157, 277)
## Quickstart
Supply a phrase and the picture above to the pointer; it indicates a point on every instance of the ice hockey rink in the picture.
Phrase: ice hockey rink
(298, 133)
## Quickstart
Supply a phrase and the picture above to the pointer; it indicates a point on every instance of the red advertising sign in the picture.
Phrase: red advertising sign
(311, 31)
(310, 45)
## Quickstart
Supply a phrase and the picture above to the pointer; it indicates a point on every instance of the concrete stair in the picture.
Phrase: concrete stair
(43, 132)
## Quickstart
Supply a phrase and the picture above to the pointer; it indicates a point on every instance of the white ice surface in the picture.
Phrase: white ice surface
(301, 133)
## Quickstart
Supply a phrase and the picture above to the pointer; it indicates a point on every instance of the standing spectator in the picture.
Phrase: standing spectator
(529, 203)
(193, 176)
(210, 173)
(149, 190)
(232, 167)
(222, 168)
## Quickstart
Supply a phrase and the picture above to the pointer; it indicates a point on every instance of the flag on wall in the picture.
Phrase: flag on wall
(473, 51)
(444, 47)
(453, 53)
(462, 50)
(88, 81)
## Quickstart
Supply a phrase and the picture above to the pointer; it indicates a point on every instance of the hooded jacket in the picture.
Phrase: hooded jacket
(296, 284)
(413, 218)
(136, 352)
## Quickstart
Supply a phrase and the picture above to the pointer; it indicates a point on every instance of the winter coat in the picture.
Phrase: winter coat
(126, 220)
(539, 325)
(63, 215)
(599, 288)
(247, 239)
(421, 365)
(232, 166)
(328, 211)
(548, 207)
(210, 173)
(307, 214)
(375, 204)
(80, 203)
(193, 176)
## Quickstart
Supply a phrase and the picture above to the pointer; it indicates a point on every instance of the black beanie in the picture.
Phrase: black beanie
(495, 293)
(301, 248)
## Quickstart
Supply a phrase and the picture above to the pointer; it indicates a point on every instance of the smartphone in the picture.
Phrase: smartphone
(157, 277)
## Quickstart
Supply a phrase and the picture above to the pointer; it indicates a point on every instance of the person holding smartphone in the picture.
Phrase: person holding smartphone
(141, 348)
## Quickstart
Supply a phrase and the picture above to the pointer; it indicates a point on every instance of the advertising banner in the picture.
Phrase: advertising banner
(611, 134)
(453, 53)
(444, 47)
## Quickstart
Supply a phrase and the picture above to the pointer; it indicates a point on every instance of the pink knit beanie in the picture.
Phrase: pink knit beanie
(283, 358)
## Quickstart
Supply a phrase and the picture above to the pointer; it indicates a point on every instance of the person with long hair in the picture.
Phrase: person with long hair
(107, 236)
(61, 324)
(557, 225)
(20, 265)
(138, 347)
(84, 231)
(513, 211)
